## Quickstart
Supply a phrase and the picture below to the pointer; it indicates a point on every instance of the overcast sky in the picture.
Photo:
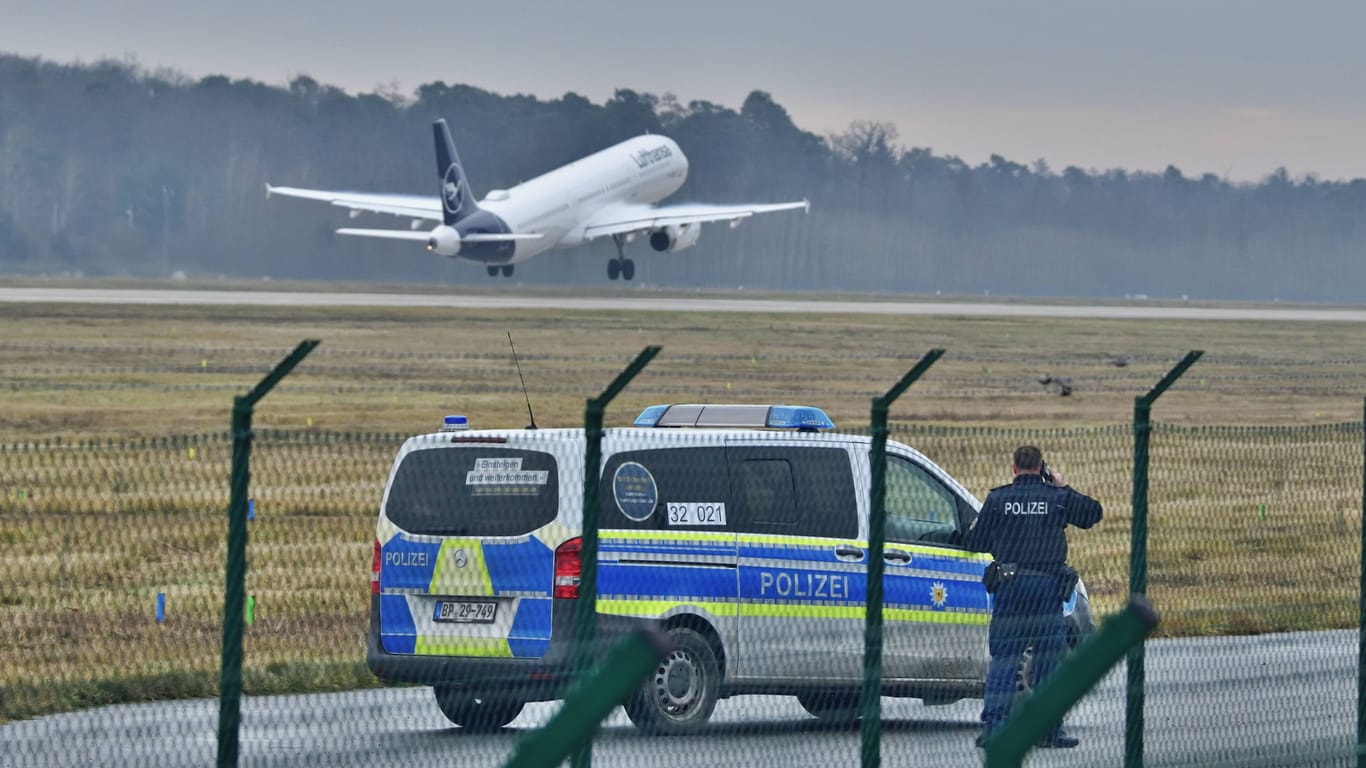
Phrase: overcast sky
(1232, 87)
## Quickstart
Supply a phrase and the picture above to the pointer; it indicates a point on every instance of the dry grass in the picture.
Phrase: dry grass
(129, 503)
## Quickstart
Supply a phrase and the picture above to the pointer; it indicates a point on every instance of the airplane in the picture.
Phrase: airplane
(611, 193)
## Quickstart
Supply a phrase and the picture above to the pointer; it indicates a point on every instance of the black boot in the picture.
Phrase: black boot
(1058, 740)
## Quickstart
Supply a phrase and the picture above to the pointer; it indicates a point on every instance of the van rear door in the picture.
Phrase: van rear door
(464, 570)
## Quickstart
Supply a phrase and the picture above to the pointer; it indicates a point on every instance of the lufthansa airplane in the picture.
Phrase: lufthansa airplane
(611, 193)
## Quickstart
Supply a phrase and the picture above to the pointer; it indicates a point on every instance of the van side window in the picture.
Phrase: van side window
(692, 477)
(793, 491)
(764, 488)
(919, 507)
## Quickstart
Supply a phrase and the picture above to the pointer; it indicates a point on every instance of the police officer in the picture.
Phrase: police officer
(1021, 525)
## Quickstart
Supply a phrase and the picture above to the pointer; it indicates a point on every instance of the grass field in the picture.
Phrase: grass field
(114, 463)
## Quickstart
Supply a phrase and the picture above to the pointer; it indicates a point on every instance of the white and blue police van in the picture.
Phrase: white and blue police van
(740, 530)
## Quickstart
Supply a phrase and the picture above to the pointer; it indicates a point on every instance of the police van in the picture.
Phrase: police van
(741, 530)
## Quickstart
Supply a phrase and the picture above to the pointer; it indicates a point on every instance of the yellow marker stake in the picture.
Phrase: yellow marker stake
(310, 422)
(191, 454)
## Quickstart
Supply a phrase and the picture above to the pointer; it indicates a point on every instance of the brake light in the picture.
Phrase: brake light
(568, 569)
(374, 571)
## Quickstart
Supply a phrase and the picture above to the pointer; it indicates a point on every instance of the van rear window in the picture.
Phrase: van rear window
(473, 491)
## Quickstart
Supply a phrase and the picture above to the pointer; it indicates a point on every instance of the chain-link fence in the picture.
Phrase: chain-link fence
(748, 545)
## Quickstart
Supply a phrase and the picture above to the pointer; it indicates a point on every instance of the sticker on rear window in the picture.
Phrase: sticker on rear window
(635, 491)
(505, 472)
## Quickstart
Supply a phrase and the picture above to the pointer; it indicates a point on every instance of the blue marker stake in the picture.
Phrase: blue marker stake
(251, 509)
(161, 607)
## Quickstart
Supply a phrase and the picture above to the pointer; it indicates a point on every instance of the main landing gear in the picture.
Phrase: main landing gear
(620, 266)
(506, 269)
(623, 268)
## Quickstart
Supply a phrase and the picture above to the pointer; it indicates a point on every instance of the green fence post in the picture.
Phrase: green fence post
(230, 681)
(1361, 615)
(870, 700)
(1138, 557)
(1077, 674)
(587, 609)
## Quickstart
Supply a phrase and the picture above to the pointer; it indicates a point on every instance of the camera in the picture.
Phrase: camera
(1045, 473)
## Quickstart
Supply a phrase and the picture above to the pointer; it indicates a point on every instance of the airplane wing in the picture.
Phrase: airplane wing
(624, 219)
(408, 206)
(424, 236)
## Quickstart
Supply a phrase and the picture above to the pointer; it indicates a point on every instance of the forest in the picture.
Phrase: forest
(111, 169)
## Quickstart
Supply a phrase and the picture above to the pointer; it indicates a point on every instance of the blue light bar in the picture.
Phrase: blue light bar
(803, 418)
(455, 424)
(650, 416)
(800, 417)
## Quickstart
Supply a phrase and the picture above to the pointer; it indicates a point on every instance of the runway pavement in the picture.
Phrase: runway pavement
(639, 302)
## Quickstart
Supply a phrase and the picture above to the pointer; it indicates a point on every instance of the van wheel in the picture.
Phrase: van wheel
(831, 706)
(473, 712)
(679, 695)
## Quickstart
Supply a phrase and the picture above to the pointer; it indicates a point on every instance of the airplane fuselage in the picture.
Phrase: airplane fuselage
(613, 193)
(558, 204)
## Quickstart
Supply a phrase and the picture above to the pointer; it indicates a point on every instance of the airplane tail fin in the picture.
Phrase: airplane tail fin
(457, 201)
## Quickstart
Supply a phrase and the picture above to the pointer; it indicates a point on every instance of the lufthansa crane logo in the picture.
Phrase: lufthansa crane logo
(452, 191)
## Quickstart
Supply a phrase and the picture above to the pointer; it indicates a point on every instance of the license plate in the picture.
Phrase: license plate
(466, 611)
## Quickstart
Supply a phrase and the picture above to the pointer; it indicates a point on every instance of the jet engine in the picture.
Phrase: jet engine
(445, 240)
(675, 238)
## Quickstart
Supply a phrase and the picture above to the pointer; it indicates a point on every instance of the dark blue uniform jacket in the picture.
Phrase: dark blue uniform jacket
(1023, 522)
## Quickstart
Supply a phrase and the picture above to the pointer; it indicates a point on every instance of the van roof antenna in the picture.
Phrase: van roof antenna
(529, 414)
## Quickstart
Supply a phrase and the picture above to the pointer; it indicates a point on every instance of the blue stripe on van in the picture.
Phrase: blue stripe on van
(726, 549)
(816, 553)
(956, 565)
(523, 566)
(918, 592)
(528, 647)
(530, 633)
(397, 631)
(408, 564)
(666, 580)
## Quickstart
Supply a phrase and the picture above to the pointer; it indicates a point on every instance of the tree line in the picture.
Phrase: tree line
(111, 169)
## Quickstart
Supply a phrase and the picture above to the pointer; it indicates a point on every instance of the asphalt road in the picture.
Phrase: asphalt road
(1273, 700)
(637, 303)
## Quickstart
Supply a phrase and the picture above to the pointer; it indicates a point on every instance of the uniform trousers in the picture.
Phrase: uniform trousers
(1027, 612)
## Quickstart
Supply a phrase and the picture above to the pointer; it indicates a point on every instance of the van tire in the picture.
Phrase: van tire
(831, 706)
(473, 712)
(680, 693)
